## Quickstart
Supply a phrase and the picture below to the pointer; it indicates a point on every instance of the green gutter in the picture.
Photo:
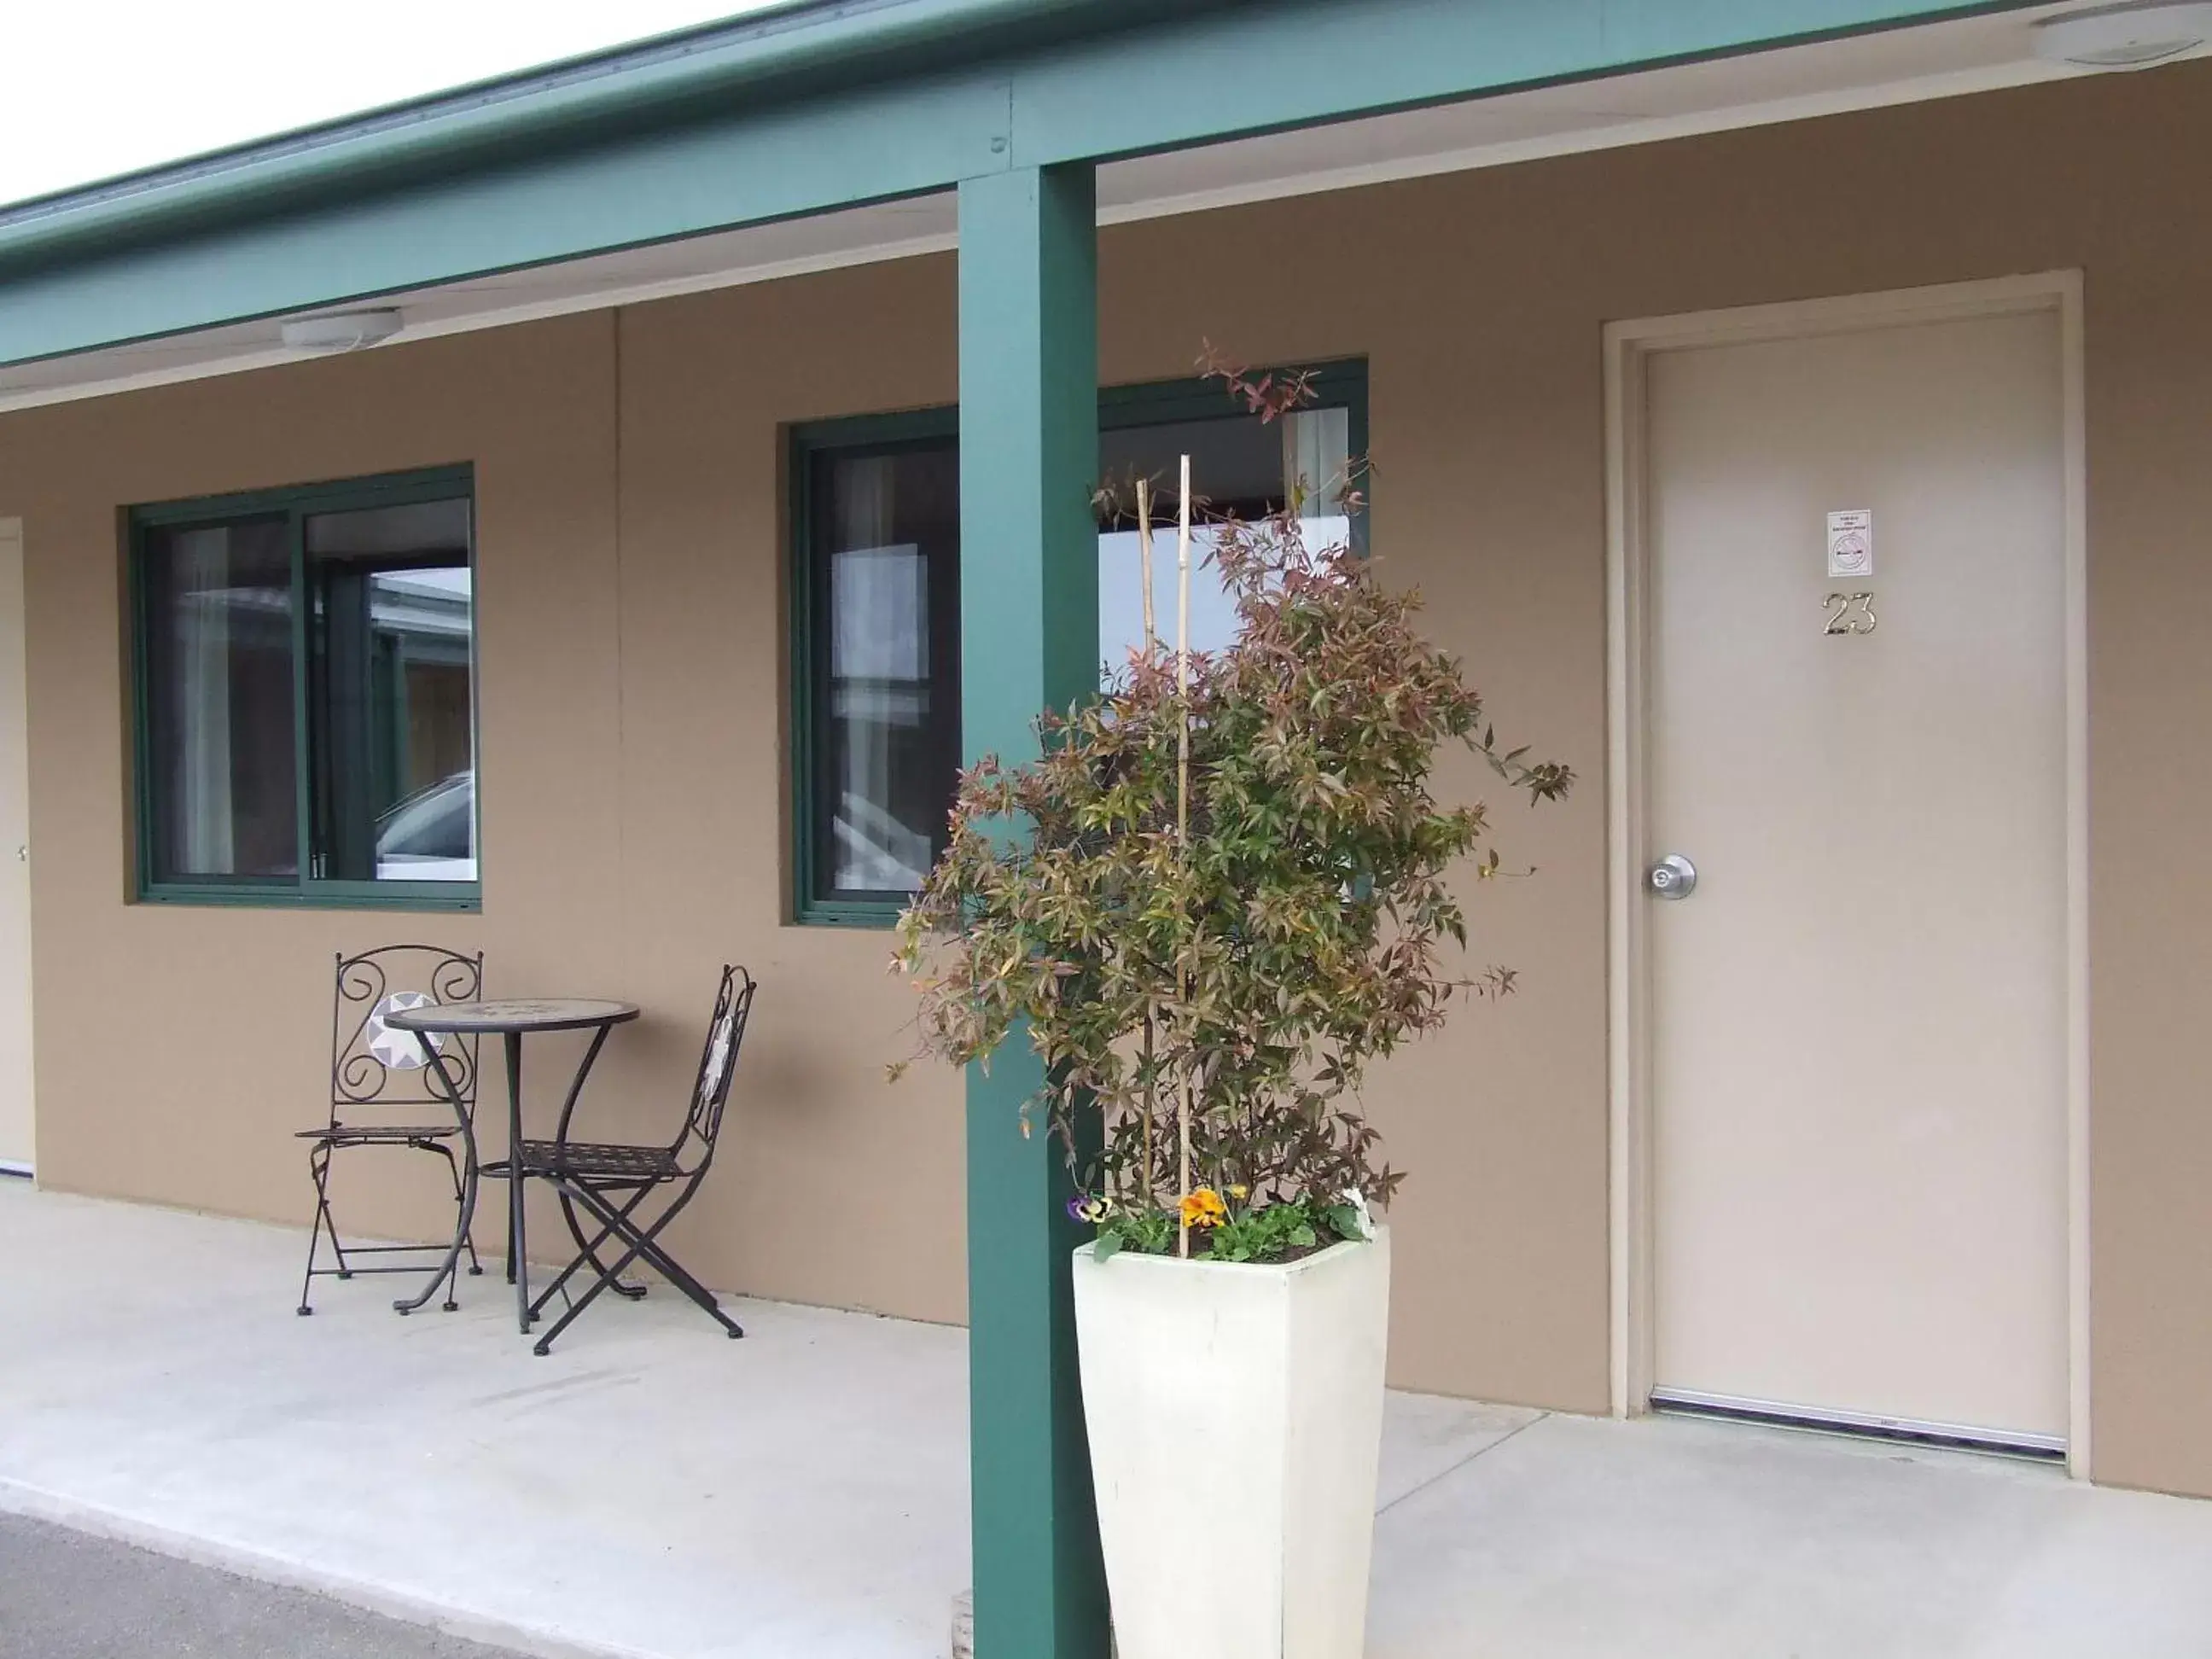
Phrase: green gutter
(776, 57)
(810, 110)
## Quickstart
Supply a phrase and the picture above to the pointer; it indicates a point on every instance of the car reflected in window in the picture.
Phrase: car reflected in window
(431, 835)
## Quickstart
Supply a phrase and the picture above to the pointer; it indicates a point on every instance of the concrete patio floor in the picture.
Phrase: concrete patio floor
(654, 1490)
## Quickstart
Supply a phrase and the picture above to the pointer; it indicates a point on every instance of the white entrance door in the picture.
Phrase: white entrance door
(1857, 1019)
(14, 867)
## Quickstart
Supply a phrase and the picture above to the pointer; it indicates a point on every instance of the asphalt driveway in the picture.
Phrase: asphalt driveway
(67, 1594)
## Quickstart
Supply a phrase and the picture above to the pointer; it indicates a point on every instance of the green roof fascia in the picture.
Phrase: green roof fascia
(799, 111)
(780, 54)
(1275, 67)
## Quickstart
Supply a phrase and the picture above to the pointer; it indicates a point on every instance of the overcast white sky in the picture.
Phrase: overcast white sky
(96, 88)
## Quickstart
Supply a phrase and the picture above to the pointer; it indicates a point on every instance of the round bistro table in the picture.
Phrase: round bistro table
(511, 1018)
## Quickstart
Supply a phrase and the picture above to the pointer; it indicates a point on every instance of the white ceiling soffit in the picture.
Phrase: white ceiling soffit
(1865, 72)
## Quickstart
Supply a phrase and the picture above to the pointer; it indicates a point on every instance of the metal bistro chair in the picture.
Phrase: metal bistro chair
(611, 1182)
(382, 1094)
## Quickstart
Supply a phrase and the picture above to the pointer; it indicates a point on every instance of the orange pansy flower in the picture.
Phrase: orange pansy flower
(1203, 1208)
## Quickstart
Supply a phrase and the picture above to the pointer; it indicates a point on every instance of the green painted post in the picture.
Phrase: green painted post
(1029, 637)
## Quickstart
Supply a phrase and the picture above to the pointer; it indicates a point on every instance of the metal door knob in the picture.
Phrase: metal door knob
(1674, 876)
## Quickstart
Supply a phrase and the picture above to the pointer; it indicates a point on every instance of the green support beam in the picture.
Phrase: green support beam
(1029, 638)
(797, 113)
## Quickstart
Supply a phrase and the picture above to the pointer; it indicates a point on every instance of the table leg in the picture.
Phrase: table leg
(449, 1269)
(517, 1251)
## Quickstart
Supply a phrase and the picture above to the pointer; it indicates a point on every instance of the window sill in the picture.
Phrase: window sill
(878, 914)
(391, 896)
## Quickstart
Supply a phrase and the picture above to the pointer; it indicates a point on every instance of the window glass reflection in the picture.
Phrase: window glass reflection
(879, 568)
(1238, 464)
(392, 599)
(889, 689)
(218, 634)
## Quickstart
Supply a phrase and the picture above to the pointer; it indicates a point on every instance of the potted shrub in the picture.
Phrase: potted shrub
(1215, 898)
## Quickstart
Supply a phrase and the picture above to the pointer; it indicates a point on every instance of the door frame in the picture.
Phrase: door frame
(1628, 347)
(11, 533)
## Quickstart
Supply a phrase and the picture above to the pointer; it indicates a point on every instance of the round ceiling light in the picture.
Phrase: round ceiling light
(346, 331)
(2124, 37)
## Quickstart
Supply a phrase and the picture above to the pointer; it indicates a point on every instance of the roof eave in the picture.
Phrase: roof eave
(803, 48)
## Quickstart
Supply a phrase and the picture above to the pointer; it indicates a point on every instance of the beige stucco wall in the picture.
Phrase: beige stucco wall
(629, 473)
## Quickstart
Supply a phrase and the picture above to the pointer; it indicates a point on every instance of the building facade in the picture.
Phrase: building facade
(1935, 1041)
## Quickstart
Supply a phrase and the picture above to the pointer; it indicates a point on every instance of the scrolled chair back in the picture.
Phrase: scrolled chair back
(718, 1064)
(375, 1067)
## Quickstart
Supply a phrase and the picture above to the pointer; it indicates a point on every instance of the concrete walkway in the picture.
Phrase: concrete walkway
(1671, 1538)
(655, 1491)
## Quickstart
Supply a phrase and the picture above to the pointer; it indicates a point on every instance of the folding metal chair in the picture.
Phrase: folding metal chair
(382, 1095)
(610, 1182)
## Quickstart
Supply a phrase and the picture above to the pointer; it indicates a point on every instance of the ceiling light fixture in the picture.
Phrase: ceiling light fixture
(347, 330)
(2124, 37)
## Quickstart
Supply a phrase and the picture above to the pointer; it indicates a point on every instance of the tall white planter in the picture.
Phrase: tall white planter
(1236, 1415)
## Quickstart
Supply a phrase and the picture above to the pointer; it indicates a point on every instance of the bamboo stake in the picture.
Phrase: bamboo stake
(1144, 556)
(1183, 842)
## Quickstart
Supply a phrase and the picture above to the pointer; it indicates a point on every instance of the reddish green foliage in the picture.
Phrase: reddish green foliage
(1305, 914)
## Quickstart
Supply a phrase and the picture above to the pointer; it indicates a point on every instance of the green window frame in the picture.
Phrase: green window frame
(1336, 385)
(293, 506)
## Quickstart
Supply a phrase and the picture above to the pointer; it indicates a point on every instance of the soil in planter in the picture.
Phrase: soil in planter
(1200, 1251)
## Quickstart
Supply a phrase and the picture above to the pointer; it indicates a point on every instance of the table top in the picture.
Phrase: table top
(514, 1014)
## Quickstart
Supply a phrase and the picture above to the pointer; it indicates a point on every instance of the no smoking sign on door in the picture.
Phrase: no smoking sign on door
(1851, 543)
